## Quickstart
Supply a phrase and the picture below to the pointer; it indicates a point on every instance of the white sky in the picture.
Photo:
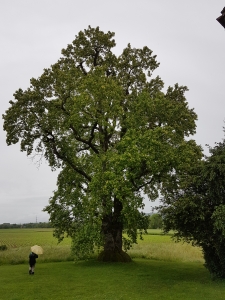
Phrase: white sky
(185, 36)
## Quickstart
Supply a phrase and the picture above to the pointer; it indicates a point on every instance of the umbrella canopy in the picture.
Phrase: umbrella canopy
(37, 249)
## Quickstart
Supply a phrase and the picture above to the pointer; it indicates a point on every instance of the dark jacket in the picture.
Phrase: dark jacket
(32, 258)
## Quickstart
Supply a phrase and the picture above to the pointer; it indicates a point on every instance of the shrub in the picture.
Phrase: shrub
(3, 247)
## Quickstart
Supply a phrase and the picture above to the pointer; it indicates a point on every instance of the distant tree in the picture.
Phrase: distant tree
(196, 211)
(155, 221)
(111, 130)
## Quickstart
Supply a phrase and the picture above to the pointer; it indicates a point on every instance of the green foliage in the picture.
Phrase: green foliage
(115, 135)
(155, 221)
(197, 210)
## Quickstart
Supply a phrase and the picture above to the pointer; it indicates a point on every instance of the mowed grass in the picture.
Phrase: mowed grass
(140, 279)
(161, 269)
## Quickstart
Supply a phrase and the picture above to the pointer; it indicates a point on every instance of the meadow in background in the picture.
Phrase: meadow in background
(155, 245)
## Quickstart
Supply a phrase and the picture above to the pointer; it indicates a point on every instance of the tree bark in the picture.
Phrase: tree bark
(112, 229)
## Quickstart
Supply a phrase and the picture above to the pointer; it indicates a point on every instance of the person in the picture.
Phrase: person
(32, 262)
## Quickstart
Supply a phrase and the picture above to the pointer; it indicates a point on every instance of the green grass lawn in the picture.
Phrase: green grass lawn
(161, 269)
(141, 279)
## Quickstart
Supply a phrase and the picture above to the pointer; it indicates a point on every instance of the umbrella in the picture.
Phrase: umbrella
(37, 249)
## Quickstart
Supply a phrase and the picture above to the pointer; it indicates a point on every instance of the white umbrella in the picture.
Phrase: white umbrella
(37, 249)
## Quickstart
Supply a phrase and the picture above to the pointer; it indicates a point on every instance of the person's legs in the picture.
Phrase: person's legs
(32, 269)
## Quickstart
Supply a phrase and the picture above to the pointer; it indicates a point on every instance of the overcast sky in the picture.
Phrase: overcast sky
(185, 36)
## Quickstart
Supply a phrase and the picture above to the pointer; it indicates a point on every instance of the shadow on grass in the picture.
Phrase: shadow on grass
(156, 269)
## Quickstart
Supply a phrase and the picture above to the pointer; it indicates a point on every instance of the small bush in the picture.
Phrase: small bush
(3, 247)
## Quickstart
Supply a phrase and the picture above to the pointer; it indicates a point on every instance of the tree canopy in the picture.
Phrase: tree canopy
(196, 210)
(113, 132)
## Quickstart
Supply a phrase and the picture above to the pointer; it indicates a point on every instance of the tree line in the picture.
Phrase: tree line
(26, 225)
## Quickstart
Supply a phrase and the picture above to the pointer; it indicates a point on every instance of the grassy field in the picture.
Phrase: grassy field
(14, 238)
(154, 246)
(161, 269)
(19, 242)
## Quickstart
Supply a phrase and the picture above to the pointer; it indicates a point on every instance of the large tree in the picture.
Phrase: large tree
(115, 135)
(196, 209)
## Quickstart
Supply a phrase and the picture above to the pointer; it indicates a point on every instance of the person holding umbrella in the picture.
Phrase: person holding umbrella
(35, 250)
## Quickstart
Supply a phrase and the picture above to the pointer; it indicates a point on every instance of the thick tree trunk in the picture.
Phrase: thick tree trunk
(112, 229)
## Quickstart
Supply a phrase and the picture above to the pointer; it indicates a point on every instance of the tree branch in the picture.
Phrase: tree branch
(64, 158)
(87, 142)
(82, 67)
(96, 57)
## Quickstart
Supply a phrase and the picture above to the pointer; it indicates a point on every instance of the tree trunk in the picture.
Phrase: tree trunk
(112, 229)
(214, 255)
